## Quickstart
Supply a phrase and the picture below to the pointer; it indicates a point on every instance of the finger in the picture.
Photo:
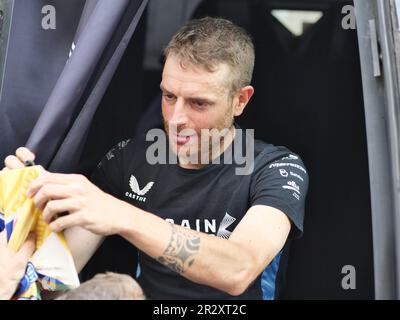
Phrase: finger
(51, 192)
(24, 154)
(3, 238)
(27, 249)
(65, 222)
(51, 178)
(12, 162)
(55, 207)
(41, 170)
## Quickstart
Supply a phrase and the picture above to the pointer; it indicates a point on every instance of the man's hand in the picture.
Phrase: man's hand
(82, 243)
(13, 265)
(54, 194)
(87, 205)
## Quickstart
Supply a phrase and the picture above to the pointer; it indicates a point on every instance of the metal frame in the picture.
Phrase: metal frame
(381, 98)
(387, 28)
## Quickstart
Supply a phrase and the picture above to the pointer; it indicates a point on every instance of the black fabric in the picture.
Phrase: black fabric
(35, 60)
(309, 98)
(119, 111)
(58, 115)
(66, 159)
(212, 199)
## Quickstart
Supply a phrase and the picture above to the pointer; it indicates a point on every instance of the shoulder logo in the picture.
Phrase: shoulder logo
(133, 183)
(290, 157)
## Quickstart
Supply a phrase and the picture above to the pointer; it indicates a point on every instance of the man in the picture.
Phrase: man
(203, 230)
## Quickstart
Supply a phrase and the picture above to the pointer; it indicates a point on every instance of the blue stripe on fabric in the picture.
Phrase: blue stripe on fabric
(9, 228)
(268, 278)
(2, 222)
(29, 278)
(138, 271)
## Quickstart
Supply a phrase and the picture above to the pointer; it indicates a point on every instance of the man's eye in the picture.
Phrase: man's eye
(169, 97)
(199, 104)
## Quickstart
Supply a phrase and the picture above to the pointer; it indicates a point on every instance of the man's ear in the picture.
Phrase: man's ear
(243, 99)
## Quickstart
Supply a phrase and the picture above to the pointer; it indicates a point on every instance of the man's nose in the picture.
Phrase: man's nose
(179, 116)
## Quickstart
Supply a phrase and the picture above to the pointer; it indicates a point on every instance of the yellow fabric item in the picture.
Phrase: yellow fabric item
(14, 202)
(52, 258)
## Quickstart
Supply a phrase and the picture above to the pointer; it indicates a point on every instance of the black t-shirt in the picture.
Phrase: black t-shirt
(212, 200)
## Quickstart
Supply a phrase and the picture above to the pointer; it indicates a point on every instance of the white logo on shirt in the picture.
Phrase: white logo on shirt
(138, 194)
(292, 186)
(291, 157)
(225, 223)
(135, 186)
(208, 226)
(283, 173)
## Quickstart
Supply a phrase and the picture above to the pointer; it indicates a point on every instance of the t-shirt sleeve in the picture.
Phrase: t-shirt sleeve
(108, 174)
(282, 184)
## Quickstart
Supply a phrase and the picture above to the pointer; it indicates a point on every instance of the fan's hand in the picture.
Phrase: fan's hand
(22, 157)
(13, 265)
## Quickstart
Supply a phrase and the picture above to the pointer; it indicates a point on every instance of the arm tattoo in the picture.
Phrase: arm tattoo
(180, 252)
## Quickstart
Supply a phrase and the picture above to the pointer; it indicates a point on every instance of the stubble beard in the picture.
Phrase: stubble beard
(210, 142)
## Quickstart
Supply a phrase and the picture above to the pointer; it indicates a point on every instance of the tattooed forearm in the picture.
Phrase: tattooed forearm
(181, 250)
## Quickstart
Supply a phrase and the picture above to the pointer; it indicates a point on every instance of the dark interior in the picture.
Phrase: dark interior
(308, 98)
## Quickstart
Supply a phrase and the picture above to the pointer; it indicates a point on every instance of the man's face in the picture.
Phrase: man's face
(195, 99)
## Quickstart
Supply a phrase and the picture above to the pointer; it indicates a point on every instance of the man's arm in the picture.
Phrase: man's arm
(83, 244)
(228, 265)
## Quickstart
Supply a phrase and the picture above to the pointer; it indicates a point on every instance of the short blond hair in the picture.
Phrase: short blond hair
(208, 42)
